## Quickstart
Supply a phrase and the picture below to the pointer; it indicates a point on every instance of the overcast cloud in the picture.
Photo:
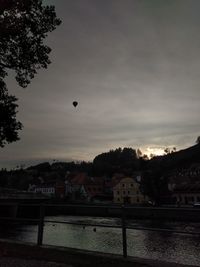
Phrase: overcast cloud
(133, 66)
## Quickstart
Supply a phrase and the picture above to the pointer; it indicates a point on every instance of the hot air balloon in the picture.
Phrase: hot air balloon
(75, 103)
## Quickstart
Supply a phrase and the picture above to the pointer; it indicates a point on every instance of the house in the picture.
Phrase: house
(60, 189)
(184, 194)
(46, 189)
(127, 190)
(93, 188)
(53, 189)
(81, 187)
(74, 186)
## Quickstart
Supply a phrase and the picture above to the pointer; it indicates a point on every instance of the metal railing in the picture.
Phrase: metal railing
(123, 226)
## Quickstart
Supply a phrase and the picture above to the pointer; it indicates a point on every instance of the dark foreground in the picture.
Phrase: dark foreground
(15, 254)
(16, 262)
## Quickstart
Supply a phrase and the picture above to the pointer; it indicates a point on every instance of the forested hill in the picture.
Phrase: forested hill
(180, 159)
(126, 161)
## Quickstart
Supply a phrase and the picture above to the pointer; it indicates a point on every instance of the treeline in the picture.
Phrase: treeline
(128, 161)
(120, 160)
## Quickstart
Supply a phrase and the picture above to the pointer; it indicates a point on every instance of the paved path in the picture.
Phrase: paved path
(15, 262)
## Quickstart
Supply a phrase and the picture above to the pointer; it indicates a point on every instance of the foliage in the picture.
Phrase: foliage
(198, 140)
(169, 150)
(42, 167)
(9, 126)
(155, 185)
(23, 27)
(155, 172)
(119, 160)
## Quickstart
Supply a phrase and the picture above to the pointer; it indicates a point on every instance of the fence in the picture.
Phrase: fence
(123, 226)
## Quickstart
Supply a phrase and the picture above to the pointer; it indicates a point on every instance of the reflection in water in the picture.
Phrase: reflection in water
(146, 244)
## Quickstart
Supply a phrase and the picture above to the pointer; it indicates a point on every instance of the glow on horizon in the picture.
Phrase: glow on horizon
(157, 151)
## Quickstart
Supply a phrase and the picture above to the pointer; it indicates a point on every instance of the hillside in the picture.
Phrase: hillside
(180, 167)
(179, 159)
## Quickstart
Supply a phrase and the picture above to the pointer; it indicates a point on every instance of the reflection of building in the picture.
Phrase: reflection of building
(186, 193)
(128, 191)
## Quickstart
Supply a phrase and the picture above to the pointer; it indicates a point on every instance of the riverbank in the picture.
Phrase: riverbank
(132, 212)
(169, 213)
(73, 257)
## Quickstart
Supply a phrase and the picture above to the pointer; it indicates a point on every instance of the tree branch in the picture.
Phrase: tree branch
(5, 65)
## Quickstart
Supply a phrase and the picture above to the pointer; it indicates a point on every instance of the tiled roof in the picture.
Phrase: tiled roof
(79, 179)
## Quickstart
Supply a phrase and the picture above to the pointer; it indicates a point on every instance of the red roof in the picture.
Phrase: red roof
(93, 190)
(79, 179)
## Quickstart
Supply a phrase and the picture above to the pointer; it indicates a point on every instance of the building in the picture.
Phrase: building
(60, 188)
(186, 194)
(127, 190)
(46, 189)
(74, 184)
(94, 187)
(53, 189)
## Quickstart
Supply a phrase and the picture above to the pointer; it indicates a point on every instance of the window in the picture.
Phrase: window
(123, 185)
(128, 192)
(118, 192)
(124, 192)
(138, 200)
(131, 185)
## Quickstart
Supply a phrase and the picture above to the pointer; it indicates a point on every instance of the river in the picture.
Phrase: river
(180, 248)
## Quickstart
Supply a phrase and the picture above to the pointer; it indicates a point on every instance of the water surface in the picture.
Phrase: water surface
(180, 248)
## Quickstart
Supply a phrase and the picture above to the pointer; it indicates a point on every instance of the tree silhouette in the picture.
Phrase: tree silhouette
(154, 185)
(118, 160)
(23, 27)
(9, 126)
(198, 140)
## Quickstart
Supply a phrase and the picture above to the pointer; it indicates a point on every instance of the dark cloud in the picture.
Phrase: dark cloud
(133, 66)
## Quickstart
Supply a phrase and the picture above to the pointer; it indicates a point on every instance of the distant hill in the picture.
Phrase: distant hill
(125, 160)
(179, 167)
(179, 159)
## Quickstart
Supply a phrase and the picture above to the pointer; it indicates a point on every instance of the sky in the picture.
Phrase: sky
(132, 65)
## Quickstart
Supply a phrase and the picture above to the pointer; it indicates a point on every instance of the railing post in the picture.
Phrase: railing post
(124, 241)
(41, 225)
